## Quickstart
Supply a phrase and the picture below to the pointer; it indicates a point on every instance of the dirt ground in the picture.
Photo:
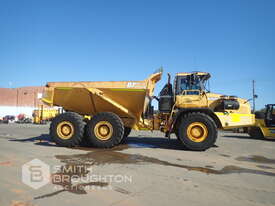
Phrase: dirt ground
(147, 170)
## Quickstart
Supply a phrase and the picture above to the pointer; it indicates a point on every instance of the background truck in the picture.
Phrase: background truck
(42, 115)
(265, 124)
(186, 108)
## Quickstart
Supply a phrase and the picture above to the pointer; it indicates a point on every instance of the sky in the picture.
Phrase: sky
(115, 40)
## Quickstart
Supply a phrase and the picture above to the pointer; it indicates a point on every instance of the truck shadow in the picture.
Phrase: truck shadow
(130, 142)
(238, 136)
(43, 140)
(153, 142)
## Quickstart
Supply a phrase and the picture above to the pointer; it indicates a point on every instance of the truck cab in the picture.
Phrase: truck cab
(189, 91)
(189, 94)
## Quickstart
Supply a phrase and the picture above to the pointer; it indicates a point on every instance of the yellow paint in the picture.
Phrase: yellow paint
(64, 88)
(233, 114)
(235, 117)
(44, 114)
(268, 132)
(129, 90)
(127, 99)
(47, 101)
(103, 130)
(188, 73)
(65, 130)
(197, 132)
(233, 120)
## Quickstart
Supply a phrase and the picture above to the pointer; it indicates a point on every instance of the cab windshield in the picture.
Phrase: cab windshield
(186, 85)
(190, 82)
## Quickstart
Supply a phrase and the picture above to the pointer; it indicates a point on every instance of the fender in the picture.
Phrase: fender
(177, 116)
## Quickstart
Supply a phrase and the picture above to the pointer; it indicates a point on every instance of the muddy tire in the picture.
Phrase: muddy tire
(127, 131)
(105, 130)
(256, 133)
(197, 131)
(67, 129)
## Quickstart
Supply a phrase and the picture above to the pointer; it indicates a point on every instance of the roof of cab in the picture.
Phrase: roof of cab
(189, 73)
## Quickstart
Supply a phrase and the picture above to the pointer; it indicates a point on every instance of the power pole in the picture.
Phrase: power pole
(253, 93)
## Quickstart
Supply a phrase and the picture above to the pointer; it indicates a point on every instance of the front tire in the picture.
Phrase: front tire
(67, 129)
(197, 131)
(105, 130)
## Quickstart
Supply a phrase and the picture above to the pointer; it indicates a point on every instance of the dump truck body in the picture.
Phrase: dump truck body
(185, 109)
(127, 99)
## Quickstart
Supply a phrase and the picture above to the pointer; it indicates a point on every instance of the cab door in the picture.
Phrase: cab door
(189, 96)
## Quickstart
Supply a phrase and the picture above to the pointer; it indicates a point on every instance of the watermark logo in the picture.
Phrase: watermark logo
(35, 173)
(73, 176)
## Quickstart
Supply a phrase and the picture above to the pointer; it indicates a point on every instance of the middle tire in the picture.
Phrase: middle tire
(105, 130)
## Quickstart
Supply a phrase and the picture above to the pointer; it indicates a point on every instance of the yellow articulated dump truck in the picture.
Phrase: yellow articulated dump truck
(186, 108)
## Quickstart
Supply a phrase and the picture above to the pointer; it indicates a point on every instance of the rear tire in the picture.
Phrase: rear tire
(67, 129)
(105, 130)
(197, 131)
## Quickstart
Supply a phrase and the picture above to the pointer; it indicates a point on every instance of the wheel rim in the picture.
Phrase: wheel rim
(65, 130)
(103, 130)
(197, 132)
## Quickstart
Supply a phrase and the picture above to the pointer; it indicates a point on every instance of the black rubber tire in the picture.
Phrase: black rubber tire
(176, 131)
(189, 118)
(127, 131)
(78, 124)
(255, 132)
(177, 135)
(118, 130)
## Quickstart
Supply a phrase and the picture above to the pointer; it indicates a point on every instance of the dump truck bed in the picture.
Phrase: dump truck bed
(128, 99)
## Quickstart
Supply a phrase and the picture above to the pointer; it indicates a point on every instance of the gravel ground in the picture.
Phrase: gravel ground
(148, 170)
